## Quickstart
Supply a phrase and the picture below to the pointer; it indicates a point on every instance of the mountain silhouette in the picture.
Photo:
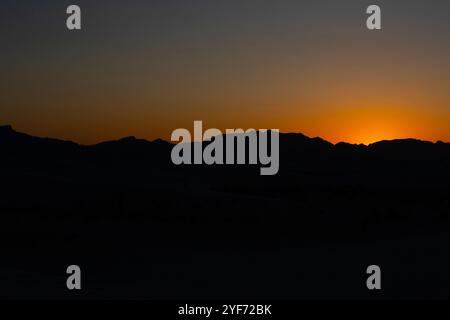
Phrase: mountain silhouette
(297, 150)
(309, 167)
(63, 201)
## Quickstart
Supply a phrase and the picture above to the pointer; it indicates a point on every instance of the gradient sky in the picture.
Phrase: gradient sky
(145, 68)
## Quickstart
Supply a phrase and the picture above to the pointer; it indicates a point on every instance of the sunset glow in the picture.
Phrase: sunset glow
(148, 68)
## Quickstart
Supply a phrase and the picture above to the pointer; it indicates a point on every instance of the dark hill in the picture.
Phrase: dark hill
(121, 206)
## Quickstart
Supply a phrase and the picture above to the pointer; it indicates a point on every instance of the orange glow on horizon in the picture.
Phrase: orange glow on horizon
(366, 125)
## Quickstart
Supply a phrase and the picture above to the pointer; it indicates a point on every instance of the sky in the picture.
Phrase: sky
(146, 68)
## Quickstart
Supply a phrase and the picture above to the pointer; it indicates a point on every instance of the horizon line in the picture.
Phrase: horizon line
(10, 127)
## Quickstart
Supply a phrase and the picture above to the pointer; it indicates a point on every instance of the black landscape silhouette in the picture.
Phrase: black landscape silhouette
(141, 227)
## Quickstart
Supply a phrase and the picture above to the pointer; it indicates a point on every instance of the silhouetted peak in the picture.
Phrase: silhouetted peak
(129, 139)
(403, 147)
(6, 128)
(129, 144)
(319, 140)
(400, 143)
(343, 144)
(295, 136)
(300, 140)
(124, 140)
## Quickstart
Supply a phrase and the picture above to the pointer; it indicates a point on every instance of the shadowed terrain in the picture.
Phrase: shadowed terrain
(141, 227)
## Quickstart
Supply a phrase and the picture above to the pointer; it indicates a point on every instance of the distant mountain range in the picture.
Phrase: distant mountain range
(298, 153)
(123, 202)
(132, 176)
